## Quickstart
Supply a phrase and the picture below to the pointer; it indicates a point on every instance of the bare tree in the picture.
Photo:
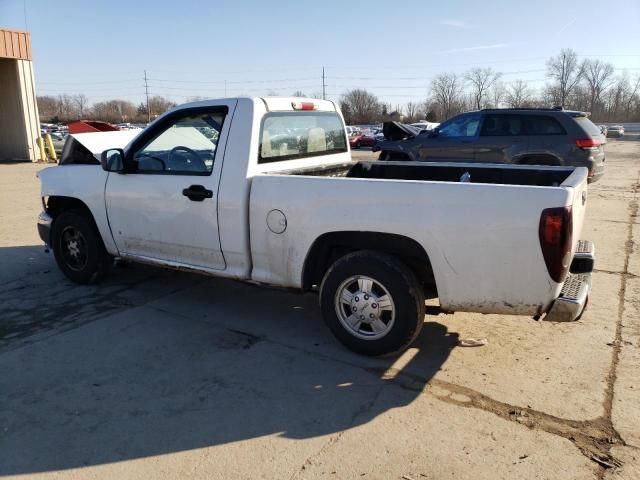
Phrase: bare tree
(598, 76)
(362, 106)
(47, 107)
(81, 101)
(447, 91)
(481, 80)
(518, 94)
(158, 105)
(566, 72)
(115, 111)
(299, 93)
(497, 94)
(634, 91)
(66, 108)
(412, 109)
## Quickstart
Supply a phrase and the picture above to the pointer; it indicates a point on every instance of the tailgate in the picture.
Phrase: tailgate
(577, 184)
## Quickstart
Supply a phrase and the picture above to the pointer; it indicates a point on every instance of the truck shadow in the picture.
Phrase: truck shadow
(212, 363)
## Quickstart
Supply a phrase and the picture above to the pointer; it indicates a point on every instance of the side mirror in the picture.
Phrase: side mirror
(112, 160)
(434, 133)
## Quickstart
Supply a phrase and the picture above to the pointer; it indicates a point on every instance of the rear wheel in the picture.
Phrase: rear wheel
(372, 303)
(78, 247)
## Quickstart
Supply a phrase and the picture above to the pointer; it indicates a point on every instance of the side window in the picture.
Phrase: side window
(460, 126)
(186, 146)
(502, 126)
(544, 125)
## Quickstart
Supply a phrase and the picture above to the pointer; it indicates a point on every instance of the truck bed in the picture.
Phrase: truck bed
(529, 175)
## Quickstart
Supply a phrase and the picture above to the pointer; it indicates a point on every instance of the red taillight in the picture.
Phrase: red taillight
(588, 143)
(304, 105)
(555, 232)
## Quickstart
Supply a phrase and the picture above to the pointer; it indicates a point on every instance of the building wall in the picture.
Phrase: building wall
(19, 121)
(29, 107)
(13, 139)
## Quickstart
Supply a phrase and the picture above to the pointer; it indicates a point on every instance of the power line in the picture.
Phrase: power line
(91, 83)
(146, 92)
(218, 82)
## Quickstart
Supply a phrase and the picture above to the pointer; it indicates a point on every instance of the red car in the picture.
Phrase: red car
(362, 139)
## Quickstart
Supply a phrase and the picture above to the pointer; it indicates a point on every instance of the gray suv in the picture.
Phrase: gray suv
(531, 136)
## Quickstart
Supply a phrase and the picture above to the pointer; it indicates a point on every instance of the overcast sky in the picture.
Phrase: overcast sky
(190, 48)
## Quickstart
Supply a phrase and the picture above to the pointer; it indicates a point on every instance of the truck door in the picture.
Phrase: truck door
(164, 206)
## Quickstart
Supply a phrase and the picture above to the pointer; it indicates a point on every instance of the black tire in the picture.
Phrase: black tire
(357, 145)
(401, 285)
(78, 247)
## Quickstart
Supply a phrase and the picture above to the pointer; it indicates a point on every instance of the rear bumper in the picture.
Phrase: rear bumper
(44, 227)
(597, 171)
(574, 297)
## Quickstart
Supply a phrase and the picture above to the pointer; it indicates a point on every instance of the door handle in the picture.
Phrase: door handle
(197, 193)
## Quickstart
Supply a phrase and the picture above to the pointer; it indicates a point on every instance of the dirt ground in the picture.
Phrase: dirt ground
(161, 374)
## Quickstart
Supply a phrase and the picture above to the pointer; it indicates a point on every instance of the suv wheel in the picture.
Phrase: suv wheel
(372, 303)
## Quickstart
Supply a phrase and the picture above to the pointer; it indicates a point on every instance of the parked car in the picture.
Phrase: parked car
(365, 138)
(58, 140)
(351, 130)
(615, 131)
(545, 136)
(306, 216)
(425, 126)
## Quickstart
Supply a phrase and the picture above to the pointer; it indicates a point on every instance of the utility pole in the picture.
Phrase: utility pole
(324, 95)
(225, 88)
(146, 91)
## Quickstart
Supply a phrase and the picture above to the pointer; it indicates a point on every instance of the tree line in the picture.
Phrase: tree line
(589, 85)
(66, 108)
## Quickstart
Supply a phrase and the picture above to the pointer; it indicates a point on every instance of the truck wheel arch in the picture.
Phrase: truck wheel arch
(331, 246)
(56, 204)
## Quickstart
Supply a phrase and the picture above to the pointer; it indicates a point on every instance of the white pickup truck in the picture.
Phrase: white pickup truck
(265, 190)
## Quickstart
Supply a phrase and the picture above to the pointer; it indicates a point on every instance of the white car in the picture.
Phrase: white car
(425, 126)
(374, 238)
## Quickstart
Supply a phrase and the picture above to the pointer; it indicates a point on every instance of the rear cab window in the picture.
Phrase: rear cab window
(294, 135)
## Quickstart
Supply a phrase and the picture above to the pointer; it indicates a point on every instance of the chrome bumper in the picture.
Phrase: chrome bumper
(44, 227)
(574, 297)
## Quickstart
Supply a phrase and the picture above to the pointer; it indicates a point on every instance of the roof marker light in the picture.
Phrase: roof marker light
(304, 105)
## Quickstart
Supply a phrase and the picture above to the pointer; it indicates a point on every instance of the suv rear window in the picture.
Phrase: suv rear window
(588, 126)
(293, 135)
(544, 125)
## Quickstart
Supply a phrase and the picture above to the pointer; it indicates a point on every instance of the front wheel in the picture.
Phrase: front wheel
(372, 303)
(78, 248)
